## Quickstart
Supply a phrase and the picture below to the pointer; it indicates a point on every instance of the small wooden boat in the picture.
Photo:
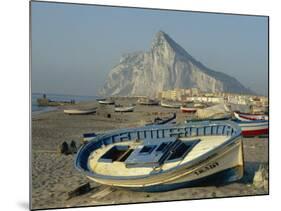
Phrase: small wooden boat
(148, 102)
(162, 121)
(80, 111)
(100, 99)
(249, 117)
(188, 109)
(124, 108)
(254, 127)
(170, 105)
(221, 118)
(106, 102)
(164, 157)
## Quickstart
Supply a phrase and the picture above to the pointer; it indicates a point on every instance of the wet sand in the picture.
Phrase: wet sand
(54, 175)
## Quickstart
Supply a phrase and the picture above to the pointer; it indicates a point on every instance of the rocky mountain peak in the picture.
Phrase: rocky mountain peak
(159, 39)
(163, 42)
(166, 66)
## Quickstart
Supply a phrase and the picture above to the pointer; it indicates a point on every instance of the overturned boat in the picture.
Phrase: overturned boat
(164, 157)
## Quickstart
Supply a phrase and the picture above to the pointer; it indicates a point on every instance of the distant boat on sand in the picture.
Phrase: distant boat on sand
(124, 108)
(249, 117)
(188, 109)
(80, 111)
(148, 102)
(170, 104)
(106, 102)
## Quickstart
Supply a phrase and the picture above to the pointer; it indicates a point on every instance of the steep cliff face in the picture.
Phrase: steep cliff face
(166, 66)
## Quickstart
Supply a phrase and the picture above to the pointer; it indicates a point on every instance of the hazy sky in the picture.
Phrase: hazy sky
(75, 46)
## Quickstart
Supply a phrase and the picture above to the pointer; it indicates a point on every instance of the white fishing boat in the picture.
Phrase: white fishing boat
(249, 117)
(170, 104)
(164, 157)
(148, 102)
(124, 108)
(106, 102)
(253, 127)
(80, 111)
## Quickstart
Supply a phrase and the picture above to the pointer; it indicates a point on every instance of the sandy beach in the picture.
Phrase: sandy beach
(54, 175)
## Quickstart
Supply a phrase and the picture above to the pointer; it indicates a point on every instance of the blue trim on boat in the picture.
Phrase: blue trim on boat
(89, 135)
(159, 132)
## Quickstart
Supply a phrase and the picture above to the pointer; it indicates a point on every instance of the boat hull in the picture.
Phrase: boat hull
(209, 158)
(105, 102)
(79, 112)
(227, 163)
(254, 128)
(188, 110)
(165, 105)
(218, 178)
(126, 109)
(249, 117)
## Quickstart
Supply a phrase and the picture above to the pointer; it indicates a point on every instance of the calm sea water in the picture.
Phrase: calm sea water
(56, 97)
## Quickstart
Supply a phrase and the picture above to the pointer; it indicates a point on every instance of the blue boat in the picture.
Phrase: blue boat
(164, 157)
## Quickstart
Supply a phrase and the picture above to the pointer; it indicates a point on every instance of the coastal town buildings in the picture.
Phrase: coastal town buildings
(196, 95)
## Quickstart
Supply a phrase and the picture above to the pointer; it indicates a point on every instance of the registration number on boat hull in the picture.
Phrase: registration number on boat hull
(206, 168)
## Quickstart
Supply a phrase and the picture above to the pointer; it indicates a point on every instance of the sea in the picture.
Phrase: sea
(55, 97)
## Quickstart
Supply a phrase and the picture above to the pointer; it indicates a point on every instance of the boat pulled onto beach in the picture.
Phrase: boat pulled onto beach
(80, 111)
(188, 109)
(253, 127)
(105, 102)
(148, 102)
(249, 117)
(170, 104)
(164, 157)
(124, 108)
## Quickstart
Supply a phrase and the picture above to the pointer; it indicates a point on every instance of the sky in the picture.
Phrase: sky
(74, 47)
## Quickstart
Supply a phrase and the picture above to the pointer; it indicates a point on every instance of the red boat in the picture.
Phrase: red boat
(254, 127)
(249, 117)
(188, 109)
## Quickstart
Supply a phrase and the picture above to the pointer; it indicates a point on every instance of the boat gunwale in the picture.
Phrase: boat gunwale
(251, 122)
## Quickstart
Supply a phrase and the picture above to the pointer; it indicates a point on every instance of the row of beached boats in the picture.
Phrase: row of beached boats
(117, 108)
(163, 156)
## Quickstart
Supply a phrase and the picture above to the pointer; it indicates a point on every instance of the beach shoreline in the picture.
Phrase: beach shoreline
(54, 174)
